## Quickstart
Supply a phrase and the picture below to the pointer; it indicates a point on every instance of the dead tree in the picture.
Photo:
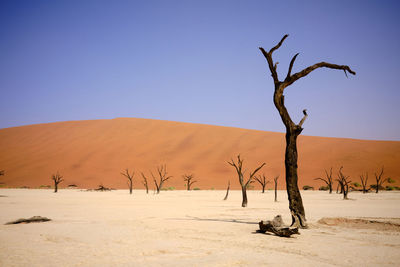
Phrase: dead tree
(276, 187)
(380, 180)
(364, 180)
(188, 178)
(146, 185)
(262, 180)
(343, 183)
(244, 184)
(162, 173)
(328, 180)
(227, 190)
(130, 179)
(1, 172)
(293, 130)
(57, 178)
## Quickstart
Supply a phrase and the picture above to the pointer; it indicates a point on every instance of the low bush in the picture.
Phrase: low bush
(373, 186)
(171, 188)
(324, 188)
(307, 187)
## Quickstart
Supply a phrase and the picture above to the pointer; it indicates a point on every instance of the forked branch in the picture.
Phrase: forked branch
(292, 78)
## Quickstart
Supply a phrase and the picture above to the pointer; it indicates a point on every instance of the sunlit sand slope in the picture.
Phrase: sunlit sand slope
(89, 153)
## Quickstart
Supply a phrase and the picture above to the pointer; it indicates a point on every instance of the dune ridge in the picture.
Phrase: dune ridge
(93, 152)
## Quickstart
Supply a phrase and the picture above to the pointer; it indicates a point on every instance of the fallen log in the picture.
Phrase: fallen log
(34, 219)
(277, 227)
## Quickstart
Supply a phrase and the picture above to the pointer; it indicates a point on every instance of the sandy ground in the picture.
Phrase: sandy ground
(196, 228)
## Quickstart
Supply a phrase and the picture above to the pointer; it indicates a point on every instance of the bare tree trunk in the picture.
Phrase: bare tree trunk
(146, 185)
(276, 188)
(130, 179)
(55, 187)
(295, 200)
(364, 181)
(344, 182)
(227, 190)
(244, 197)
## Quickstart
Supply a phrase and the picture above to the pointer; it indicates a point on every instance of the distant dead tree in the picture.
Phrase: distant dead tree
(380, 180)
(364, 180)
(188, 178)
(162, 175)
(2, 172)
(57, 178)
(244, 184)
(227, 190)
(130, 179)
(328, 180)
(262, 180)
(276, 187)
(343, 183)
(293, 130)
(146, 185)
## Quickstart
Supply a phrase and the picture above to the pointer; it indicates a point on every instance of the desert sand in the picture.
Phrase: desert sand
(89, 153)
(196, 228)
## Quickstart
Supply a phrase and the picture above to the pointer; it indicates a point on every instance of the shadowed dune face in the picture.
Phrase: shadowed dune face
(89, 153)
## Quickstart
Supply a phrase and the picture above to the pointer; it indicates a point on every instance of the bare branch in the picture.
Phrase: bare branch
(304, 118)
(322, 179)
(291, 65)
(256, 170)
(271, 65)
(306, 71)
(127, 175)
(279, 44)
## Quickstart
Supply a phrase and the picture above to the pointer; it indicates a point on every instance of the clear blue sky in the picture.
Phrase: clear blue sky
(198, 61)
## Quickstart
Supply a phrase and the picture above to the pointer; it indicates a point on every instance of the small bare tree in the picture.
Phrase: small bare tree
(188, 178)
(57, 178)
(276, 187)
(262, 180)
(146, 185)
(380, 180)
(327, 180)
(343, 183)
(130, 179)
(244, 184)
(1, 172)
(364, 180)
(162, 173)
(227, 190)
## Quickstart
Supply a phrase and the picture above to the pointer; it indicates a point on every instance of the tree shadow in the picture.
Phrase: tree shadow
(191, 218)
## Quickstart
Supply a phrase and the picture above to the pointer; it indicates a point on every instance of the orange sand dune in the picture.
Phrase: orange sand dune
(89, 153)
